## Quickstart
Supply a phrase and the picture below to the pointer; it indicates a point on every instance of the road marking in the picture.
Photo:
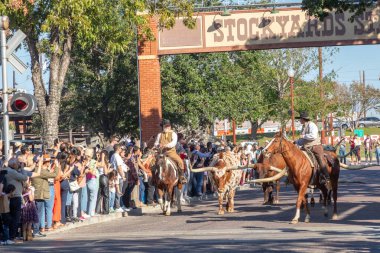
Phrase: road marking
(350, 211)
(94, 242)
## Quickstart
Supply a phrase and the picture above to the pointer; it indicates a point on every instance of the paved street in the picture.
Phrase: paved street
(252, 228)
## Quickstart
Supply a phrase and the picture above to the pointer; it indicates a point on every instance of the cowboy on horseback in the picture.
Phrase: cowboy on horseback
(310, 140)
(166, 141)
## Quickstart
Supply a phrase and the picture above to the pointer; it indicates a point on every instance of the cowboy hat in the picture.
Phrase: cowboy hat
(18, 144)
(303, 115)
(165, 122)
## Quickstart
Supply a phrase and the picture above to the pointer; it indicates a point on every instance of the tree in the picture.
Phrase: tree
(354, 100)
(363, 98)
(101, 94)
(55, 27)
(199, 88)
(321, 9)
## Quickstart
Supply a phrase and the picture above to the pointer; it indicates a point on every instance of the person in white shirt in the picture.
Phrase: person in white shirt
(310, 139)
(119, 165)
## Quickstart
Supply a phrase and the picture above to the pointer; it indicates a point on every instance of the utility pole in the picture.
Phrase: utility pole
(234, 132)
(14, 80)
(321, 93)
(364, 99)
(292, 104)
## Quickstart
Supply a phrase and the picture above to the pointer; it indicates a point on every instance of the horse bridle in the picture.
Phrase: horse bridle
(281, 151)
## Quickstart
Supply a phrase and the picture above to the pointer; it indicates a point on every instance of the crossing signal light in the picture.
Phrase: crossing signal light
(23, 104)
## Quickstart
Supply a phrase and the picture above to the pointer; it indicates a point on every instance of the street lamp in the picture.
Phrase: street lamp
(291, 77)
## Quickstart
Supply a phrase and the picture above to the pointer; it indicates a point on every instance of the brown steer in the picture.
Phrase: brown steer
(263, 168)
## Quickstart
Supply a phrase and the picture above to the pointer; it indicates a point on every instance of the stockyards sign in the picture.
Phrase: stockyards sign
(259, 29)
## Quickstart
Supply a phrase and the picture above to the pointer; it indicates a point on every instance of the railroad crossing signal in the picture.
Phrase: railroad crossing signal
(12, 44)
(23, 104)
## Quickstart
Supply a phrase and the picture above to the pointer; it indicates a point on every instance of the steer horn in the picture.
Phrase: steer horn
(270, 179)
(202, 169)
(277, 170)
(355, 167)
(240, 167)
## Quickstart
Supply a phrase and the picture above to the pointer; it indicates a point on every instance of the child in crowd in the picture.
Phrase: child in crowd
(29, 214)
(243, 162)
(113, 188)
(5, 193)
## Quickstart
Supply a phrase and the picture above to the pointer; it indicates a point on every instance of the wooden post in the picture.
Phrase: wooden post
(234, 131)
(331, 130)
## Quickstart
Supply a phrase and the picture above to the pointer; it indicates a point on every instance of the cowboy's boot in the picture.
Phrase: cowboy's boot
(181, 176)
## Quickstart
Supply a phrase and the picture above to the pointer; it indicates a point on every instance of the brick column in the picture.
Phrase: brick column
(150, 87)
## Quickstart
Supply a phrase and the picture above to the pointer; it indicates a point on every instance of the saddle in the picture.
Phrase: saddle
(314, 165)
(168, 162)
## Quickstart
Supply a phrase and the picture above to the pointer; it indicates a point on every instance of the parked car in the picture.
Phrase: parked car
(368, 122)
(339, 123)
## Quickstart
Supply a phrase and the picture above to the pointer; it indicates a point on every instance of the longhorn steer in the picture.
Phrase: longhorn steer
(225, 174)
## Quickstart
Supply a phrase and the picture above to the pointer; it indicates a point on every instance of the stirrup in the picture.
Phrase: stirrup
(328, 184)
(183, 180)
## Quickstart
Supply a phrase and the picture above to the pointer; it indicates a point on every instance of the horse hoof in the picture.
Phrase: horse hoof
(277, 202)
(307, 220)
(230, 211)
(167, 214)
(294, 222)
(335, 217)
(221, 212)
(179, 211)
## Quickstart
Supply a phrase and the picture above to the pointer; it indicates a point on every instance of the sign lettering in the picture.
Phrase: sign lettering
(288, 28)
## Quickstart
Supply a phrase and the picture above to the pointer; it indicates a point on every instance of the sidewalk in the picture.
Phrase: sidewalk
(95, 220)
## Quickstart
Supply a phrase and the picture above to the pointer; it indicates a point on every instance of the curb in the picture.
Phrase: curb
(92, 220)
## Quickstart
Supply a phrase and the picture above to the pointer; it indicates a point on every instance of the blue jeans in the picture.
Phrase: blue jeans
(65, 191)
(49, 207)
(118, 199)
(45, 211)
(198, 181)
(342, 153)
(83, 199)
(69, 199)
(377, 152)
(142, 191)
(92, 190)
(112, 199)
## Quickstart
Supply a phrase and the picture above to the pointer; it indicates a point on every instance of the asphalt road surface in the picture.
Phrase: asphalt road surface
(252, 228)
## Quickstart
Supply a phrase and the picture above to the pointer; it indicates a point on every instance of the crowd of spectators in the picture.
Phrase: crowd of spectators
(68, 184)
(354, 144)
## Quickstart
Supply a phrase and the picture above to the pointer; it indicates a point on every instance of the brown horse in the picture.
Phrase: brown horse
(263, 168)
(165, 178)
(300, 173)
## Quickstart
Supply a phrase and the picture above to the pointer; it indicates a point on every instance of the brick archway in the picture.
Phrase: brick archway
(244, 30)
